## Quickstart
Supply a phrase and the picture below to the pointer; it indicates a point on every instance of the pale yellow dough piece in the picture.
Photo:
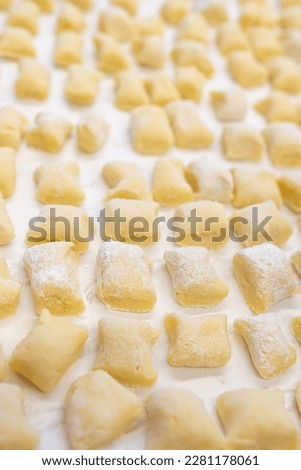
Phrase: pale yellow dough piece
(194, 280)
(298, 395)
(277, 228)
(289, 3)
(197, 341)
(16, 42)
(270, 352)
(82, 85)
(296, 260)
(291, 17)
(169, 184)
(5, 4)
(150, 131)
(230, 37)
(49, 133)
(16, 433)
(130, 91)
(277, 107)
(230, 105)
(264, 276)
(9, 290)
(7, 171)
(178, 420)
(190, 83)
(7, 231)
(264, 43)
(127, 360)
(84, 4)
(12, 127)
(242, 142)
(290, 188)
(149, 25)
(296, 321)
(285, 75)
(291, 44)
(46, 6)
(149, 51)
(215, 12)
(246, 70)
(257, 419)
(131, 6)
(189, 129)
(52, 271)
(116, 22)
(2, 365)
(187, 52)
(26, 15)
(283, 142)
(123, 278)
(256, 14)
(92, 133)
(253, 186)
(61, 223)
(69, 49)
(70, 18)
(194, 27)
(110, 55)
(173, 11)
(33, 81)
(126, 181)
(98, 410)
(48, 351)
(161, 89)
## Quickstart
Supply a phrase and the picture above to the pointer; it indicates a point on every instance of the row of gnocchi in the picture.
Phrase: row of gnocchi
(47, 6)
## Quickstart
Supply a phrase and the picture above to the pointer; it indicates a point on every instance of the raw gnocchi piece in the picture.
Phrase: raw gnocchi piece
(173, 11)
(291, 17)
(126, 181)
(131, 6)
(110, 55)
(61, 223)
(277, 107)
(257, 419)
(177, 419)
(210, 224)
(70, 18)
(253, 186)
(169, 184)
(161, 90)
(52, 271)
(197, 342)
(215, 12)
(188, 52)
(123, 279)
(194, 27)
(26, 15)
(149, 51)
(285, 75)
(82, 85)
(45, 6)
(189, 130)
(246, 70)
(49, 133)
(58, 184)
(92, 133)
(9, 290)
(69, 49)
(291, 44)
(127, 360)
(5, 4)
(230, 105)
(283, 142)
(296, 260)
(16, 42)
(101, 408)
(289, 3)
(116, 22)
(7, 231)
(189, 83)
(256, 14)
(7, 171)
(33, 81)
(12, 127)
(150, 131)
(130, 91)
(84, 4)
(290, 188)
(2, 366)
(270, 352)
(242, 142)
(264, 43)
(298, 395)
(264, 276)
(16, 432)
(296, 322)
(149, 26)
(230, 37)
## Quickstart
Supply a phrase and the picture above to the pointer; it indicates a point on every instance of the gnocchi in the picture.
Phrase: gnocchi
(230, 105)
(69, 49)
(298, 395)
(70, 18)
(161, 90)
(126, 181)
(7, 231)
(283, 142)
(284, 75)
(188, 52)
(242, 142)
(215, 12)
(296, 260)
(83, 4)
(290, 188)
(246, 70)
(257, 14)
(12, 127)
(81, 85)
(131, 6)
(149, 26)
(9, 291)
(46, 6)
(194, 27)
(7, 171)
(264, 43)
(230, 37)
(116, 22)
(26, 15)
(190, 83)
(253, 186)
(2, 365)
(149, 51)
(16, 42)
(277, 107)
(49, 133)
(33, 81)
(291, 17)
(130, 91)
(296, 324)
(92, 133)
(110, 55)
(173, 11)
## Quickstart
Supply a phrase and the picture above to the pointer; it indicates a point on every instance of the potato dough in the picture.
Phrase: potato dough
(296, 260)
(230, 37)
(149, 51)
(285, 75)
(283, 142)
(173, 11)
(291, 44)
(169, 185)
(131, 6)
(277, 107)
(229, 105)
(289, 3)
(7, 171)
(246, 70)
(161, 90)
(130, 91)
(81, 86)
(296, 324)
(290, 188)
(7, 231)
(149, 26)
(291, 17)
(242, 142)
(215, 12)
(298, 395)
(116, 22)
(264, 43)
(12, 127)
(9, 290)
(110, 55)
(69, 49)
(2, 365)
(190, 83)
(26, 15)
(92, 133)
(70, 18)
(256, 14)
(33, 81)
(194, 27)
(49, 133)
(16, 42)
(46, 6)
(84, 4)
(126, 181)
(47, 352)
(187, 52)
(253, 186)
(5, 4)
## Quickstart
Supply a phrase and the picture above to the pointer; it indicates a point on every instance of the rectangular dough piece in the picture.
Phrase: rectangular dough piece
(7, 171)
(230, 38)
(161, 89)
(70, 18)
(16, 42)
(264, 43)
(110, 55)
(116, 22)
(187, 52)
(49, 133)
(12, 127)
(291, 17)
(149, 51)
(123, 278)
(26, 15)
(92, 133)
(283, 142)
(69, 49)
(190, 83)
(246, 70)
(82, 83)
(277, 107)
(149, 26)
(126, 181)
(9, 291)
(242, 142)
(290, 188)
(229, 105)
(33, 81)
(194, 27)
(130, 91)
(285, 75)
(253, 186)
(7, 231)
(52, 271)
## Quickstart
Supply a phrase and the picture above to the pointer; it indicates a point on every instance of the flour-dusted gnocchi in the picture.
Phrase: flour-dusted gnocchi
(16, 42)
(9, 290)
(128, 360)
(26, 15)
(82, 85)
(296, 326)
(123, 278)
(111, 57)
(246, 70)
(264, 43)
(16, 432)
(194, 27)
(215, 12)
(283, 142)
(33, 81)
(161, 89)
(285, 75)
(270, 352)
(253, 186)
(296, 260)
(190, 82)
(257, 419)
(12, 127)
(58, 223)
(187, 52)
(70, 18)
(45, 6)
(58, 184)
(69, 49)
(149, 26)
(7, 231)
(126, 181)
(230, 105)
(194, 280)
(242, 142)
(116, 22)
(149, 51)
(131, 6)
(291, 44)
(2, 365)
(173, 11)
(290, 188)
(52, 271)
(49, 133)
(47, 352)
(257, 14)
(291, 17)
(277, 107)
(169, 184)
(150, 131)
(7, 171)
(264, 276)
(230, 37)
(92, 133)
(83, 4)
(130, 91)
(177, 419)
(101, 408)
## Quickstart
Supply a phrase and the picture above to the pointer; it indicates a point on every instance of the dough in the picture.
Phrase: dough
(169, 184)
(9, 291)
(173, 11)
(92, 133)
(7, 231)
(52, 271)
(69, 49)
(48, 351)
(149, 25)
(291, 17)
(127, 360)
(253, 186)
(16, 42)
(130, 91)
(194, 27)
(190, 83)
(12, 127)
(45, 6)
(197, 341)
(277, 107)
(2, 364)
(70, 18)
(283, 142)
(123, 279)
(187, 52)
(194, 280)
(291, 44)
(284, 75)
(264, 276)
(256, 14)
(33, 81)
(296, 260)
(149, 51)
(26, 15)
(230, 37)
(246, 70)
(264, 43)
(215, 12)
(126, 181)
(81, 86)
(49, 133)
(110, 55)
(98, 410)
(289, 3)
(5, 4)
(7, 171)
(84, 4)
(229, 105)
(161, 90)
(131, 6)
(242, 142)
(290, 188)
(116, 22)
(298, 395)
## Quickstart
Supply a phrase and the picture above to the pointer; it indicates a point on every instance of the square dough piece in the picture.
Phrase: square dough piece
(131, 6)
(161, 90)
(283, 142)
(242, 142)
(49, 133)
(285, 75)
(194, 27)
(190, 82)
(290, 188)
(149, 51)
(270, 352)
(127, 360)
(70, 18)
(178, 420)
(69, 49)
(246, 70)
(7, 231)
(123, 278)
(187, 52)
(229, 105)
(264, 276)
(82, 83)
(169, 184)
(9, 290)
(33, 81)
(130, 91)
(16, 433)
(257, 419)
(252, 187)
(296, 260)
(110, 55)
(116, 22)
(126, 181)
(173, 11)
(52, 271)
(277, 107)
(197, 342)
(264, 43)
(26, 15)
(48, 351)
(194, 280)
(230, 37)
(7, 171)
(12, 127)
(16, 42)
(92, 133)
(98, 410)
